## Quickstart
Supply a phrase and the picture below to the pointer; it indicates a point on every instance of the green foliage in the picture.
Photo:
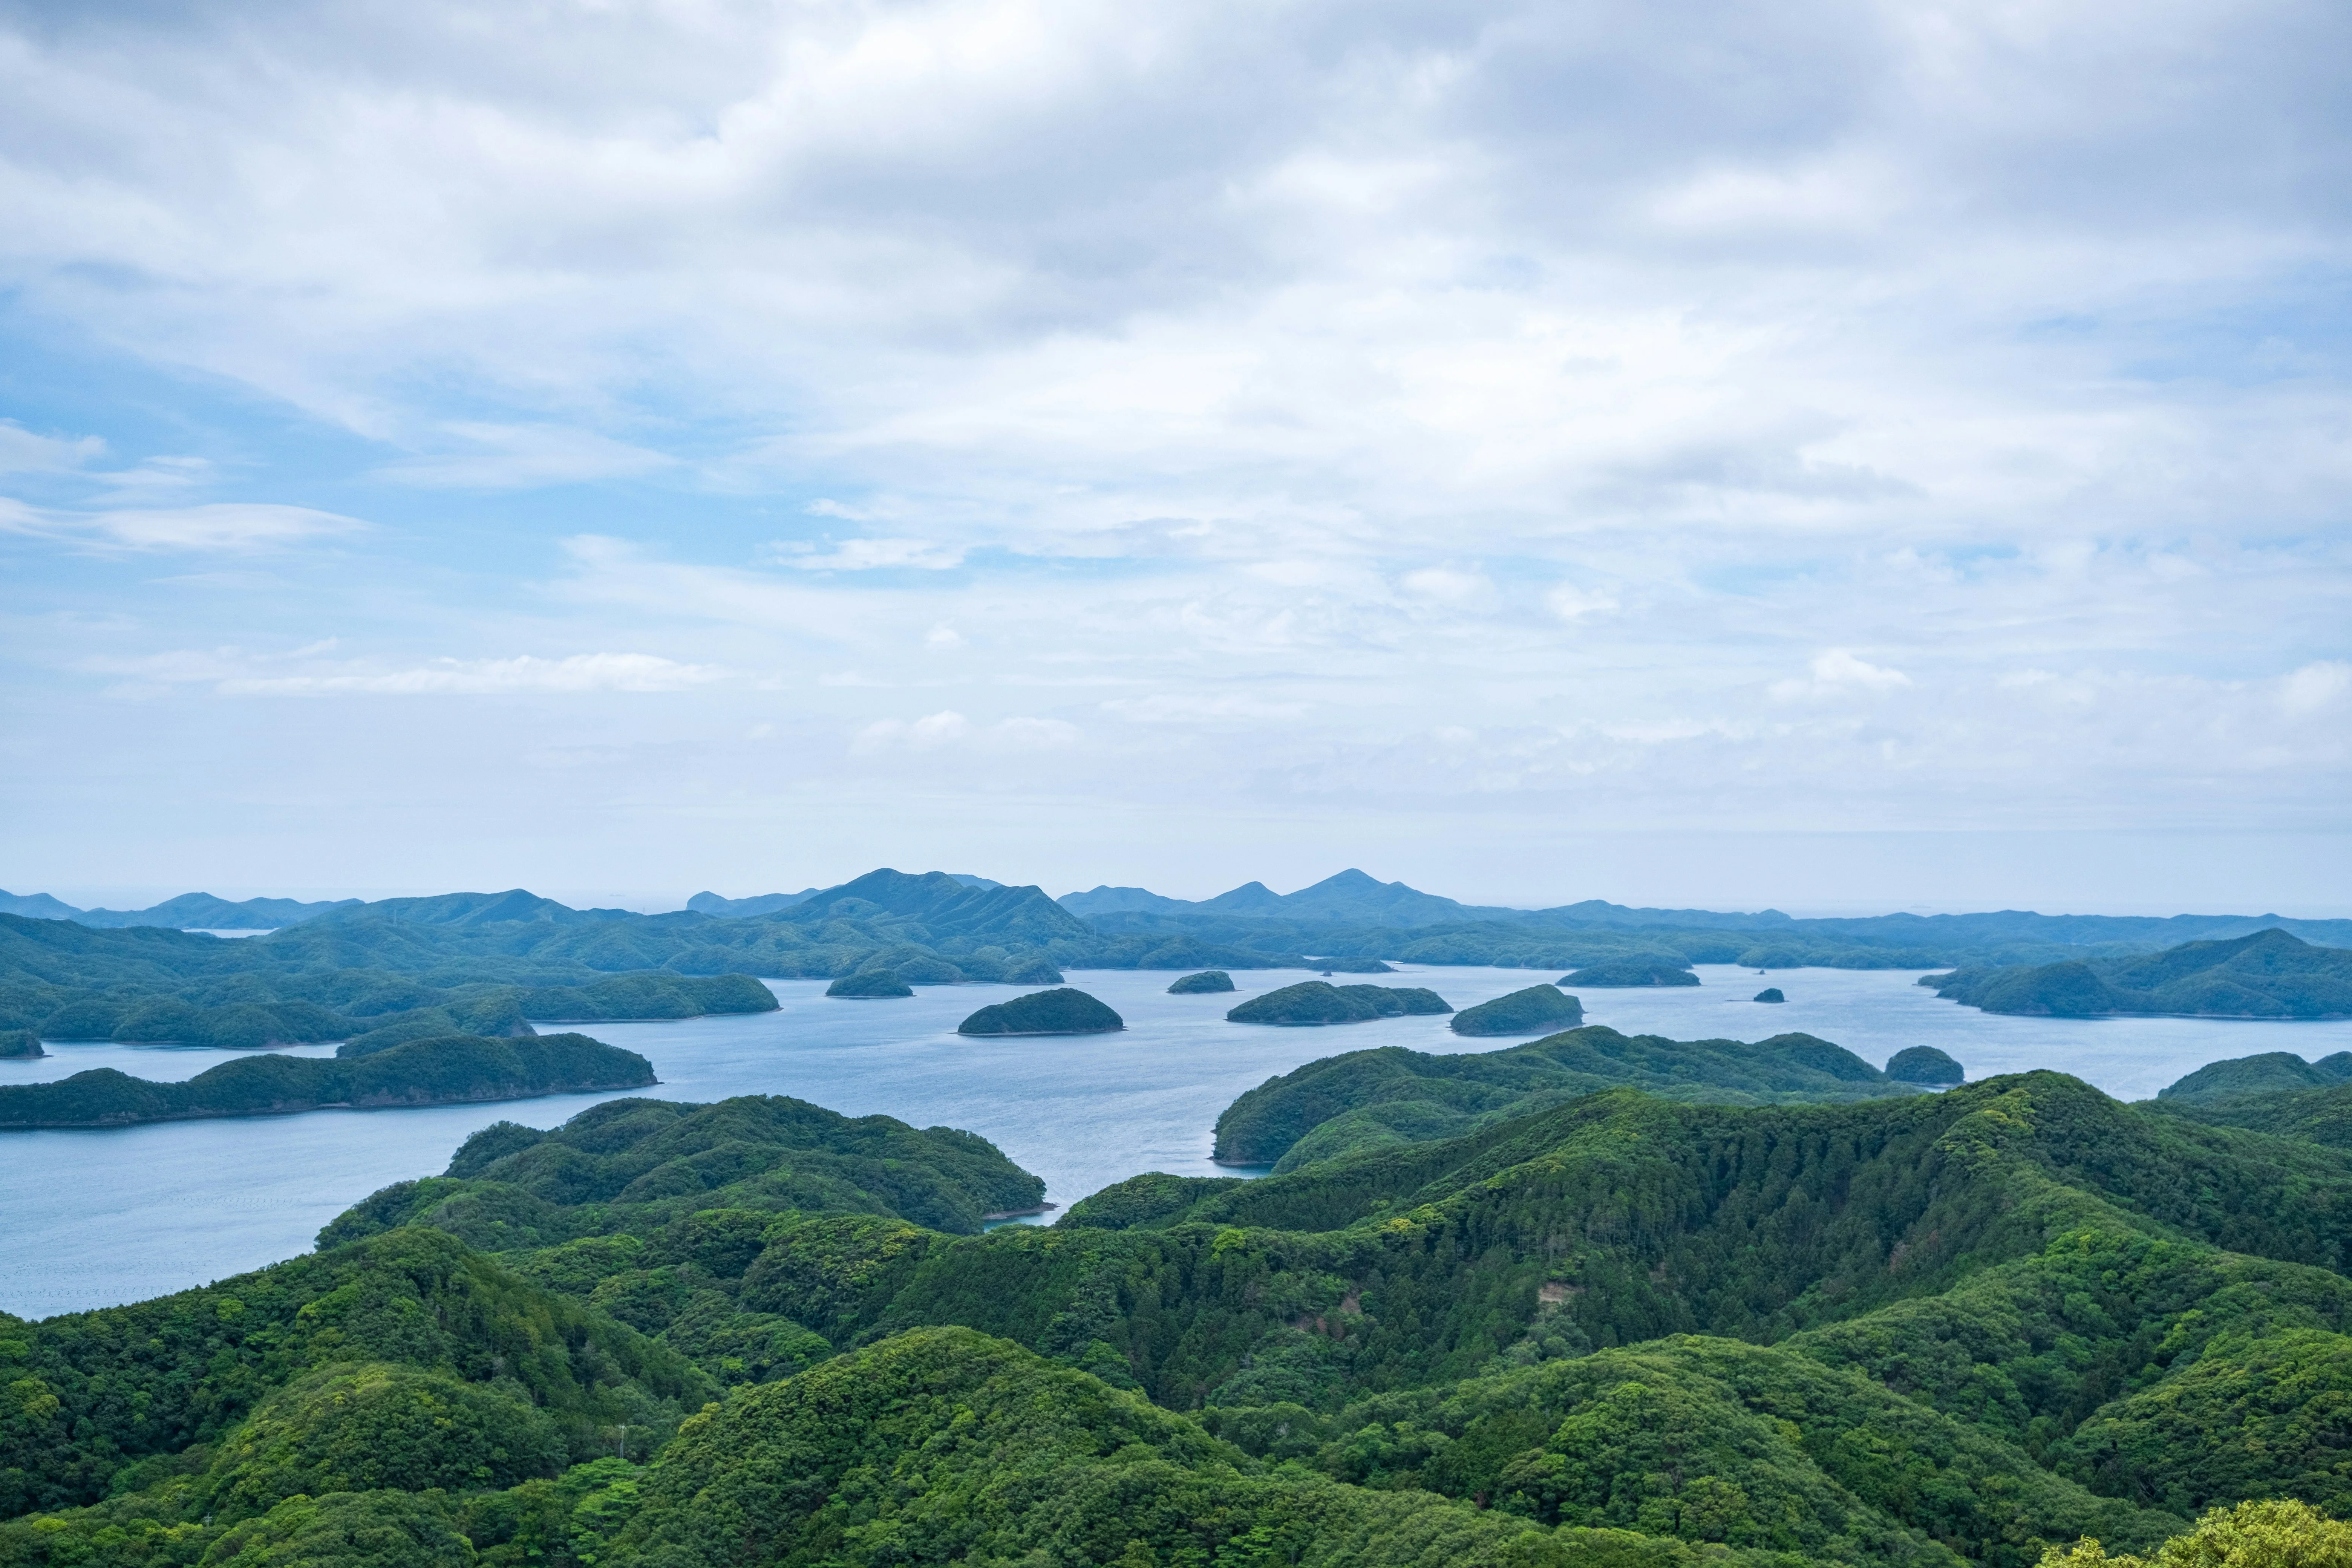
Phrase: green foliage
(943, 1444)
(1208, 980)
(1061, 1012)
(20, 1043)
(1773, 994)
(1714, 1440)
(833, 1274)
(637, 1166)
(2251, 1535)
(347, 1530)
(1924, 1065)
(94, 1391)
(2270, 1073)
(1534, 1011)
(2314, 1115)
(372, 1426)
(450, 1071)
(2269, 974)
(1905, 1330)
(1451, 1095)
(2269, 1416)
(1315, 1002)
(1619, 1219)
(1143, 1202)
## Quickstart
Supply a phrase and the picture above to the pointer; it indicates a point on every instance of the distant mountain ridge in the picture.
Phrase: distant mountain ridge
(1352, 897)
(1355, 898)
(711, 904)
(1351, 920)
(189, 911)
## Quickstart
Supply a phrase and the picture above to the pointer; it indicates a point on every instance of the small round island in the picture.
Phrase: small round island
(870, 983)
(1067, 1011)
(1538, 1010)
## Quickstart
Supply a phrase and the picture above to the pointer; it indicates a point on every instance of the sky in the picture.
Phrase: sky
(1836, 454)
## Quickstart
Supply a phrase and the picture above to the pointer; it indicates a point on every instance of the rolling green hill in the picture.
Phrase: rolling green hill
(1368, 1099)
(1618, 1332)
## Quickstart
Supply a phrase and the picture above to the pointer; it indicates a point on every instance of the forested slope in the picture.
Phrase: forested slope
(1369, 1100)
(1923, 1329)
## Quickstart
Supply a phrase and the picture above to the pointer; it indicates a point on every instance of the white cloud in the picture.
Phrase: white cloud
(1841, 356)
(498, 676)
(221, 526)
(948, 728)
(1839, 670)
(1573, 604)
(2315, 685)
(1446, 585)
(872, 554)
(24, 452)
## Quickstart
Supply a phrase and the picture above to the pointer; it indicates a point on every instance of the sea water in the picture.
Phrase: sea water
(95, 1218)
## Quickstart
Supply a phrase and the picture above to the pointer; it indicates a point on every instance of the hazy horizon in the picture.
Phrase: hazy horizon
(1191, 885)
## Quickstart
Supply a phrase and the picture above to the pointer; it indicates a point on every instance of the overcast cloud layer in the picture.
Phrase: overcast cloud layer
(1834, 451)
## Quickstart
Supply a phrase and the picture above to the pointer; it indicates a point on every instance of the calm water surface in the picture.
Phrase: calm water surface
(98, 1218)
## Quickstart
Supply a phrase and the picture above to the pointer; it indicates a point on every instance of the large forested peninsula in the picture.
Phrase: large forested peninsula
(1365, 1100)
(1933, 1330)
(60, 981)
(2269, 974)
(452, 1069)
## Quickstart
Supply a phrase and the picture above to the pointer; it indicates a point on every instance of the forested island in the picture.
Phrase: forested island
(2269, 974)
(449, 1070)
(870, 983)
(1897, 1332)
(1208, 980)
(1312, 1003)
(1536, 1010)
(1632, 971)
(1060, 1012)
